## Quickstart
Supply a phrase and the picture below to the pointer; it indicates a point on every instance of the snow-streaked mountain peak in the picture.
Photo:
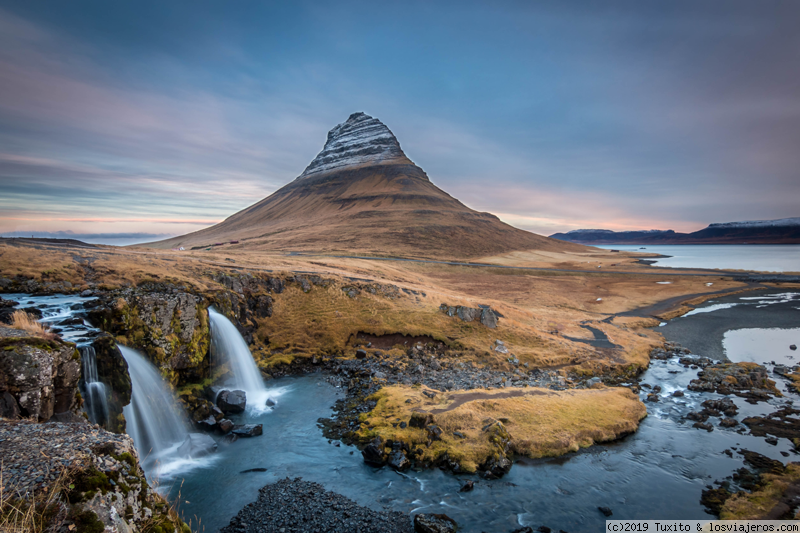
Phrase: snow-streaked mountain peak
(360, 140)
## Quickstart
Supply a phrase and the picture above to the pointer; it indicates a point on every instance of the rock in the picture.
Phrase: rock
(652, 397)
(724, 405)
(420, 420)
(270, 402)
(429, 393)
(703, 425)
(40, 375)
(197, 445)
(605, 510)
(208, 424)
(225, 425)
(495, 468)
(253, 470)
(434, 432)
(678, 394)
(233, 401)
(434, 523)
(771, 440)
(87, 292)
(467, 486)
(792, 346)
(468, 314)
(361, 354)
(8, 406)
(373, 453)
(488, 318)
(728, 422)
(248, 430)
(398, 460)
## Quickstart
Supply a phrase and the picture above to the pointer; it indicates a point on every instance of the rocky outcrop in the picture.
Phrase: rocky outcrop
(38, 377)
(171, 327)
(360, 140)
(748, 380)
(485, 314)
(102, 485)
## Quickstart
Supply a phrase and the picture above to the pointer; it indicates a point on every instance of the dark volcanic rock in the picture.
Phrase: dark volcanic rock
(296, 505)
(232, 401)
(605, 510)
(373, 453)
(434, 523)
(248, 430)
(783, 423)
(467, 486)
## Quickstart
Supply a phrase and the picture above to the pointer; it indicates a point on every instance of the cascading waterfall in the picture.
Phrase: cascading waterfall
(94, 391)
(154, 420)
(229, 348)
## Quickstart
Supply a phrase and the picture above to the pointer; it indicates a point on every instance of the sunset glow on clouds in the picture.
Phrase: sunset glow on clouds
(155, 119)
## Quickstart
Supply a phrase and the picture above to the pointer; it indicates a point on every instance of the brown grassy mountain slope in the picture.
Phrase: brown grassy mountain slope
(361, 194)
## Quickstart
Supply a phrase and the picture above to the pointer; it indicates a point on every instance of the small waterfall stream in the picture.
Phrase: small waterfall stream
(229, 348)
(154, 419)
(94, 391)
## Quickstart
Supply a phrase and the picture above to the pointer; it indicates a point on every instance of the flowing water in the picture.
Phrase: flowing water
(154, 420)
(93, 390)
(229, 350)
(761, 257)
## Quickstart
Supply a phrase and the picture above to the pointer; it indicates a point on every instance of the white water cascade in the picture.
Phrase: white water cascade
(154, 420)
(94, 391)
(229, 348)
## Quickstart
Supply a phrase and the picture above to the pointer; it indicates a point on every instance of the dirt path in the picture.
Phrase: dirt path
(472, 396)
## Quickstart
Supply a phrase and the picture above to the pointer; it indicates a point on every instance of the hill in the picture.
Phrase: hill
(782, 231)
(363, 194)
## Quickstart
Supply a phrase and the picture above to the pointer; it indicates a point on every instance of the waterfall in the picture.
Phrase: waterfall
(94, 391)
(229, 348)
(154, 420)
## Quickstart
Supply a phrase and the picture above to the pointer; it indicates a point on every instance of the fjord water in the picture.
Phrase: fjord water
(229, 349)
(761, 257)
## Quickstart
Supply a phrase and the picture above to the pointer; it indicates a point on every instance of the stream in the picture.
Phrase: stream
(656, 473)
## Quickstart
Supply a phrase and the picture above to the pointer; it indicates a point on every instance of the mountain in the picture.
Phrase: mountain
(363, 194)
(782, 231)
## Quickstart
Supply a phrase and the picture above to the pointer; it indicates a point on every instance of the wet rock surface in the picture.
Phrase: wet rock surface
(297, 505)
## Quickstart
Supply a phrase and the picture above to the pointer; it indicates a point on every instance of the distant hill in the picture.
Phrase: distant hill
(363, 194)
(782, 231)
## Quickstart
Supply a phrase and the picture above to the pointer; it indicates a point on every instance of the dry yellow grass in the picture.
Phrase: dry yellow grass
(24, 321)
(541, 422)
(745, 506)
(44, 512)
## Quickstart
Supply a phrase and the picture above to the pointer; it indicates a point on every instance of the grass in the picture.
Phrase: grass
(754, 506)
(26, 322)
(44, 512)
(541, 422)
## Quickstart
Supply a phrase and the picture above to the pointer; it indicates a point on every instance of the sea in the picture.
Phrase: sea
(762, 257)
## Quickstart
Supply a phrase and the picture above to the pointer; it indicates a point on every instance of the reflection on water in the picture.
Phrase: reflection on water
(761, 257)
(762, 345)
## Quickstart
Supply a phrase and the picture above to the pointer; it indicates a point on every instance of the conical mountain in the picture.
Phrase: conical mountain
(362, 194)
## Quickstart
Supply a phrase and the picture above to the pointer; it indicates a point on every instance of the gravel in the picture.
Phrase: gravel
(294, 505)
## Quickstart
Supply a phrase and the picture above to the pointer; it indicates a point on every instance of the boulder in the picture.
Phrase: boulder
(8, 406)
(468, 486)
(361, 354)
(225, 425)
(208, 424)
(398, 459)
(488, 318)
(248, 430)
(197, 445)
(495, 468)
(605, 510)
(373, 453)
(232, 401)
(434, 523)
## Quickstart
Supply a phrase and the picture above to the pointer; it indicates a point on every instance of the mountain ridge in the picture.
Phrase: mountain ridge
(779, 231)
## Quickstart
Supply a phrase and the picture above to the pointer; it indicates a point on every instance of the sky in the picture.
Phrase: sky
(131, 121)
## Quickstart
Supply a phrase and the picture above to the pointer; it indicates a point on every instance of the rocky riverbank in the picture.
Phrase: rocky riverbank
(78, 477)
(294, 505)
